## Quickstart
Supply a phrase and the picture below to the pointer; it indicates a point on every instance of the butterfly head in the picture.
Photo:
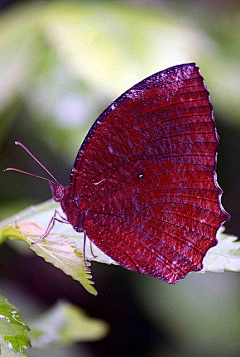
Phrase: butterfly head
(57, 190)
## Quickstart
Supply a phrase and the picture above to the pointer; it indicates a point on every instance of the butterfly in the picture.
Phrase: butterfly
(143, 187)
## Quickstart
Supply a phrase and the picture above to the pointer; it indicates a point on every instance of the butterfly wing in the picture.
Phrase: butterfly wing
(145, 176)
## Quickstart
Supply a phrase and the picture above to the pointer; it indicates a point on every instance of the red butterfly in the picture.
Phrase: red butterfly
(143, 186)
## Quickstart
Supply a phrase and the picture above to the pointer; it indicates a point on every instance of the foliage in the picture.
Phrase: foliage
(55, 58)
(224, 256)
(13, 330)
(55, 249)
(63, 324)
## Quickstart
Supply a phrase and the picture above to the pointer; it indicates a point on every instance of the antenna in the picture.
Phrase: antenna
(28, 173)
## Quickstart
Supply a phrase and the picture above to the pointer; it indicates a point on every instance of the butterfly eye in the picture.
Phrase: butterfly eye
(59, 192)
(140, 175)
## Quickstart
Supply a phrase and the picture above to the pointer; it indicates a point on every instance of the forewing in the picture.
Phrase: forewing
(145, 176)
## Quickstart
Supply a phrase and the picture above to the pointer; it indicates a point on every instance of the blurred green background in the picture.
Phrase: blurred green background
(61, 65)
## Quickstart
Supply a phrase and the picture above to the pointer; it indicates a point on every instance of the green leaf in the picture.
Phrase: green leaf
(41, 215)
(63, 250)
(61, 325)
(13, 330)
(224, 256)
(55, 249)
(65, 324)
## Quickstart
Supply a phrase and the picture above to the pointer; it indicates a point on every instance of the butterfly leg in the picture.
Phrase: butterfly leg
(84, 250)
(91, 248)
(50, 226)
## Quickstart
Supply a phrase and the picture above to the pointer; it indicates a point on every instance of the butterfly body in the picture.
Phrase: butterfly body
(143, 186)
